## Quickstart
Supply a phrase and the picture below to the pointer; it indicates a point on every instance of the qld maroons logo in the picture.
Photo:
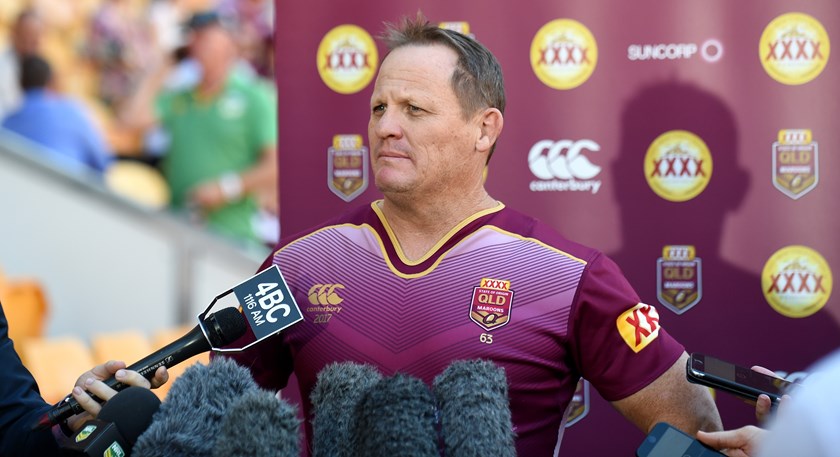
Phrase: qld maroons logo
(795, 163)
(491, 303)
(796, 281)
(347, 166)
(347, 59)
(678, 278)
(794, 48)
(563, 54)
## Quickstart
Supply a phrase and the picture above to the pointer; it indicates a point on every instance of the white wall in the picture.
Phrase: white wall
(106, 263)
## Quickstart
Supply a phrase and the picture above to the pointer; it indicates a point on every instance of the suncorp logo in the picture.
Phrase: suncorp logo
(710, 50)
(562, 166)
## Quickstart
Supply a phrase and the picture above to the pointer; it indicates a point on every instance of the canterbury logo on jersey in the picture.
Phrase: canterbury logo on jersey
(638, 326)
(325, 294)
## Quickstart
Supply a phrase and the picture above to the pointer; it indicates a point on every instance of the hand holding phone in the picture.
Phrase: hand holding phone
(728, 377)
(665, 440)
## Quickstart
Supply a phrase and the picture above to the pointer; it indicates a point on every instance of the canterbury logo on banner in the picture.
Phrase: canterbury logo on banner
(638, 326)
(564, 166)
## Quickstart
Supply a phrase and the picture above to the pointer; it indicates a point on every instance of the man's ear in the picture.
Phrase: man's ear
(490, 123)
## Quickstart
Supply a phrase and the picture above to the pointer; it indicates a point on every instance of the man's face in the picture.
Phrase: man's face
(419, 140)
(27, 36)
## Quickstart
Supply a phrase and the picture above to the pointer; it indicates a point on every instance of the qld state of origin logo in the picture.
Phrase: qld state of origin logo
(347, 166)
(795, 163)
(678, 278)
(491, 303)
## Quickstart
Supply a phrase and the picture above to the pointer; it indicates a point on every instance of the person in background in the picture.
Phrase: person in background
(25, 39)
(439, 270)
(69, 137)
(21, 404)
(221, 157)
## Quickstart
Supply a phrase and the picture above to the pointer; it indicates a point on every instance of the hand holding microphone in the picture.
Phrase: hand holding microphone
(218, 329)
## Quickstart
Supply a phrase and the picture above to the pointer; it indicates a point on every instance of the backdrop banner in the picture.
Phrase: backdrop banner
(692, 142)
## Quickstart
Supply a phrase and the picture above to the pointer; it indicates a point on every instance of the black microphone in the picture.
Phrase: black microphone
(188, 422)
(122, 419)
(472, 397)
(397, 418)
(337, 390)
(259, 424)
(221, 328)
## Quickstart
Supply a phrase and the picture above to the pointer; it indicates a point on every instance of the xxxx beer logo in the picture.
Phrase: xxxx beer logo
(563, 54)
(638, 326)
(347, 59)
(678, 165)
(795, 163)
(347, 166)
(794, 48)
(678, 278)
(796, 281)
(491, 303)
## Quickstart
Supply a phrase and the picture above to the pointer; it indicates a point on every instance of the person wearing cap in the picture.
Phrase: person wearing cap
(221, 158)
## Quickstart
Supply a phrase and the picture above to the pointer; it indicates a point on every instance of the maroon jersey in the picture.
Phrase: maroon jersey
(500, 286)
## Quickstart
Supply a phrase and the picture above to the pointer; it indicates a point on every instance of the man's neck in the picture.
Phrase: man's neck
(419, 224)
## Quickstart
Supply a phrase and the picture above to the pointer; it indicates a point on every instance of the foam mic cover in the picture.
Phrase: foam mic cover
(396, 418)
(259, 424)
(132, 410)
(188, 421)
(472, 397)
(122, 419)
(337, 390)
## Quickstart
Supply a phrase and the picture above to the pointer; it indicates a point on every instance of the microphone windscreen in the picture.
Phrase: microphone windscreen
(337, 391)
(396, 418)
(131, 410)
(188, 420)
(224, 327)
(259, 424)
(472, 397)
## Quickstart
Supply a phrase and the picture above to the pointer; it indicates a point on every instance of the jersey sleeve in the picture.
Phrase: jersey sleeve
(617, 341)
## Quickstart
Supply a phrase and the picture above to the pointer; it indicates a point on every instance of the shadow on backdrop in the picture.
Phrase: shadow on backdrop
(731, 319)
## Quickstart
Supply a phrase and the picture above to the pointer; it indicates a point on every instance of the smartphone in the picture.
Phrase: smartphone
(665, 440)
(741, 381)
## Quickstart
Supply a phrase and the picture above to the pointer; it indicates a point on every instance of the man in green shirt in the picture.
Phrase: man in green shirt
(221, 161)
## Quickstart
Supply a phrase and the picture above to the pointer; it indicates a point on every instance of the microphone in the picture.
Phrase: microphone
(221, 328)
(397, 418)
(259, 424)
(472, 397)
(122, 419)
(188, 421)
(337, 390)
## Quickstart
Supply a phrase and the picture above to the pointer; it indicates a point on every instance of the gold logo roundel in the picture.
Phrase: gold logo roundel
(347, 59)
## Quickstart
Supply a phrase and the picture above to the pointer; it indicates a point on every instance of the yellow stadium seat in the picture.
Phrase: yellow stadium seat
(56, 363)
(26, 307)
(128, 346)
(164, 337)
(139, 183)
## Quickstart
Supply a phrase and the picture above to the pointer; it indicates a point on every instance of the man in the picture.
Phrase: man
(439, 270)
(222, 157)
(68, 135)
(21, 405)
(25, 40)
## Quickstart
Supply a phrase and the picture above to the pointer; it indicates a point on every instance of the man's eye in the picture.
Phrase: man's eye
(414, 109)
(379, 108)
